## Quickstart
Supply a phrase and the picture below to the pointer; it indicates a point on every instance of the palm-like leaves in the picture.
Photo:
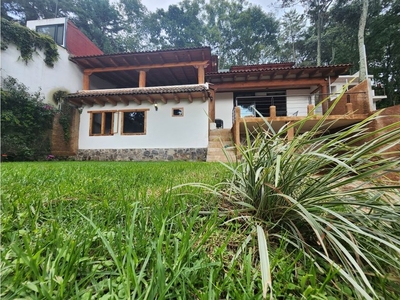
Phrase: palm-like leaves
(321, 192)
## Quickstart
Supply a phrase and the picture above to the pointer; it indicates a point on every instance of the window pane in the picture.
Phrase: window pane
(96, 123)
(59, 35)
(108, 124)
(49, 30)
(134, 122)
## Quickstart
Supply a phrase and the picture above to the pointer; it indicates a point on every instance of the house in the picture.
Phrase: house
(175, 104)
(166, 105)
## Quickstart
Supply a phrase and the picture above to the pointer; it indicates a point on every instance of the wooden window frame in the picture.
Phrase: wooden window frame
(178, 116)
(145, 121)
(103, 122)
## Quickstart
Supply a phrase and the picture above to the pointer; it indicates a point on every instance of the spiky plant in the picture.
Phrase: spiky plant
(322, 192)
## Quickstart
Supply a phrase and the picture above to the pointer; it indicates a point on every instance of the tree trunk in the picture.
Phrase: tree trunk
(319, 33)
(361, 46)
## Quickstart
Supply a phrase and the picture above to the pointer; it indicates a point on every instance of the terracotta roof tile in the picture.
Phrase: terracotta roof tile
(174, 89)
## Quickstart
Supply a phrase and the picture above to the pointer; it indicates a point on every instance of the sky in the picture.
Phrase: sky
(267, 5)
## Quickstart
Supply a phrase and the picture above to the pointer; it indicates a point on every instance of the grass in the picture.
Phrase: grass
(116, 230)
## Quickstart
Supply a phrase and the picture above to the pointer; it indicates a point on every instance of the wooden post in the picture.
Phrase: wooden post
(310, 109)
(290, 133)
(272, 111)
(142, 78)
(325, 106)
(201, 74)
(236, 137)
(86, 80)
(211, 107)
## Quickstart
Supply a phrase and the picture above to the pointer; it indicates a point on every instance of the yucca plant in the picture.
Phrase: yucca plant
(325, 194)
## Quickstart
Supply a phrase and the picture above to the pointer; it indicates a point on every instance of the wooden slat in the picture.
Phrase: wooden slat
(155, 66)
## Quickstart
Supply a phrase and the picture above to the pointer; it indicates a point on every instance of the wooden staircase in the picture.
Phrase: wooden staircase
(220, 146)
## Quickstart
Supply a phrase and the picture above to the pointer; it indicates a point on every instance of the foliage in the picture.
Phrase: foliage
(27, 42)
(65, 111)
(240, 33)
(25, 10)
(321, 194)
(178, 27)
(25, 122)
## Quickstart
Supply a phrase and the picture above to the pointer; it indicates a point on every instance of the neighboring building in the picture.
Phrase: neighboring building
(35, 74)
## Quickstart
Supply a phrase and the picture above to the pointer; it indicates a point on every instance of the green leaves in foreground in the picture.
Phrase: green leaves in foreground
(326, 195)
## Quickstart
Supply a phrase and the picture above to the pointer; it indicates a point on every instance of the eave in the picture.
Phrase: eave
(139, 96)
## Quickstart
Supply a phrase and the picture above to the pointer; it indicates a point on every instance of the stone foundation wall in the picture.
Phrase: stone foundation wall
(191, 154)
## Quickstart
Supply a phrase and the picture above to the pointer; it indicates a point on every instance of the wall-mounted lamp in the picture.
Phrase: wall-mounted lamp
(156, 106)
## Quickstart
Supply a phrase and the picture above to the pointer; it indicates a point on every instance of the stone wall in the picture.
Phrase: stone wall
(189, 154)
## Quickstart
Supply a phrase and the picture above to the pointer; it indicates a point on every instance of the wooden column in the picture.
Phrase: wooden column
(211, 107)
(200, 74)
(290, 132)
(142, 78)
(310, 109)
(272, 111)
(86, 80)
(325, 104)
(236, 125)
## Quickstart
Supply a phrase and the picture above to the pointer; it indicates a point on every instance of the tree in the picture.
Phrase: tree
(100, 21)
(361, 45)
(317, 12)
(291, 33)
(180, 26)
(240, 33)
(25, 10)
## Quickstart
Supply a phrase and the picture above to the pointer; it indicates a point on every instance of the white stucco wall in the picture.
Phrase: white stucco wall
(65, 75)
(163, 130)
(297, 101)
(223, 108)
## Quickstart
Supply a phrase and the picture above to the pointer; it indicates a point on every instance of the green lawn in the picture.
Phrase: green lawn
(116, 230)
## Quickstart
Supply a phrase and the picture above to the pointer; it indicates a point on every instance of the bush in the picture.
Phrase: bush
(322, 194)
(25, 122)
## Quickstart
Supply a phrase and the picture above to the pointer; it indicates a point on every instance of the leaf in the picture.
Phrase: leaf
(264, 261)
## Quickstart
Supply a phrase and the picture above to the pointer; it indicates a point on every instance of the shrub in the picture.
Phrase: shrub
(320, 193)
(25, 122)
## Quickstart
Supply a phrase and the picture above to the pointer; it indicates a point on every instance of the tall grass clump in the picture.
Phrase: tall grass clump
(324, 194)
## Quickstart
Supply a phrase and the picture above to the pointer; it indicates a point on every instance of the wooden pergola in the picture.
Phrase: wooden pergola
(149, 69)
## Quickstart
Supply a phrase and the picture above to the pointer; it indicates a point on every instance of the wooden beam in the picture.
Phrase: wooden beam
(142, 78)
(124, 100)
(75, 101)
(109, 100)
(200, 74)
(177, 100)
(87, 102)
(268, 84)
(163, 99)
(151, 100)
(98, 101)
(124, 60)
(190, 98)
(86, 80)
(299, 74)
(211, 107)
(142, 67)
(138, 101)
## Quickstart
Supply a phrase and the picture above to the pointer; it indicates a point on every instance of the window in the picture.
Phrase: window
(177, 112)
(133, 122)
(55, 31)
(101, 123)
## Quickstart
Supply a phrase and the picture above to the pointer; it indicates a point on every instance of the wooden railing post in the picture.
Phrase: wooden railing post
(236, 136)
(310, 109)
(272, 111)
